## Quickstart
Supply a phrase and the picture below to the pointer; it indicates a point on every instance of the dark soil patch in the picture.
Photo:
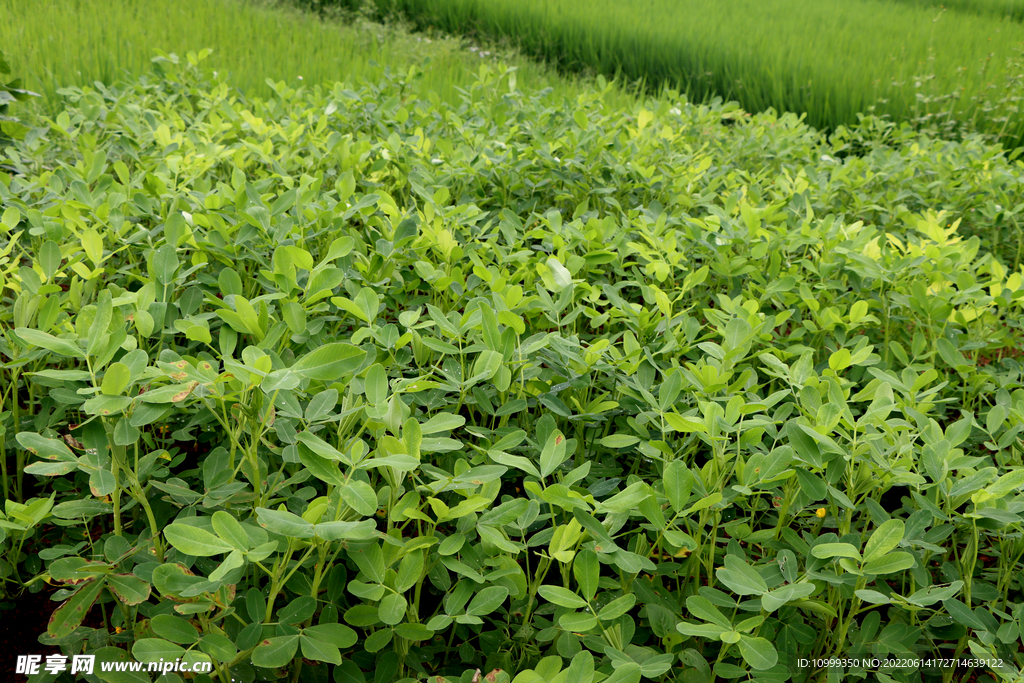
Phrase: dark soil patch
(20, 628)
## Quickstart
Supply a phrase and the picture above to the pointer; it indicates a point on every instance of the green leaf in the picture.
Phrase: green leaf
(655, 666)
(619, 441)
(516, 461)
(218, 647)
(124, 433)
(681, 423)
(775, 599)
(705, 502)
(376, 385)
(338, 531)
(319, 650)
(322, 448)
(886, 537)
(617, 607)
(678, 483)
(759, 653)
(231, 562)
(371, 562)
(392, 609)
(702, 608)
(115, 379)
(441, 422)
(825, 551)
(740, 577)
(195, 541)
(174, 629)
(230, 529)
(286, 523)
(368, 303)
(889, 564)
(297, 611)
(410, 570)
(329, 362)
(578, 622)
(487, 600)
(321, 405)
(378, 640)
(553, 454)
(50, 258)
(156, 649)
(64, 347)
(275, 652)
(361, 497)
(625, 673)
(560, 275)
(561, 596)
(487, 364)
(873, 597)
(350, 306)
(581, 668)
(106, 405)
(338, 635)
(80, 509)
(165, 264)
(12, 215)
(1008, 483)
(963, 615)
(98, 335)
(323, 469)
(587, 570)
(230, 282)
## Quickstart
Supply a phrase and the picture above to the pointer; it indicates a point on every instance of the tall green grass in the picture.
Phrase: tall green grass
(56, 43)
(1009, 9)
(832, 59)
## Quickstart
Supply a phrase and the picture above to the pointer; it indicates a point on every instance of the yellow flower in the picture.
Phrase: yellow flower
(820, 512)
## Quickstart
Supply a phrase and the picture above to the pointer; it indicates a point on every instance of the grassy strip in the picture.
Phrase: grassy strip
(51, 46)
(1008, 9)
(832, 59)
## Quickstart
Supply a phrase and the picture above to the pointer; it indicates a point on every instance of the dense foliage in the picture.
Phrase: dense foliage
(347, 383)
(830, 59)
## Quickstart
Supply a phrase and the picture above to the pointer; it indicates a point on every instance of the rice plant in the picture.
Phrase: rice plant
(1012, 10)
(830, 59)
(53, 44)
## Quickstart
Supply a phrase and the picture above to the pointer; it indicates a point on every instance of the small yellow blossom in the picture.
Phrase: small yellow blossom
(820, 512)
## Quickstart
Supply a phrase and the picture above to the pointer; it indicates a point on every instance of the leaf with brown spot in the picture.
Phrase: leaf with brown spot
(182, 395)
(68, 617)
(129, 588)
